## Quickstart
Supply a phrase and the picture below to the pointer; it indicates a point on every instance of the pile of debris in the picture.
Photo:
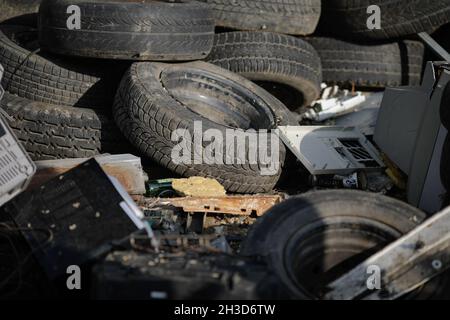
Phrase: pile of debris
(221, 149)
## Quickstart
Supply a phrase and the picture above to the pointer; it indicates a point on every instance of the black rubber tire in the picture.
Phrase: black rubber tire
(398, 17)
(11, 10)
(393, 64)
(45, 78)
(150, 30)
(53, 132)
(272, 58)
(148, 109)
(325, 218)
(298, 17)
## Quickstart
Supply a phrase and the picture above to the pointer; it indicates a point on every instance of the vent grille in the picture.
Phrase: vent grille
(353, 149)
(8, 170)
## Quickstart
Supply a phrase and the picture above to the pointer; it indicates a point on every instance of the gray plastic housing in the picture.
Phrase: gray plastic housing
(331, 150)
(16, 167)
(410, 133)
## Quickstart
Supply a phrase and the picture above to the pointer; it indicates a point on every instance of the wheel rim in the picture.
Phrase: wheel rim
(218, 99)
(325, 250)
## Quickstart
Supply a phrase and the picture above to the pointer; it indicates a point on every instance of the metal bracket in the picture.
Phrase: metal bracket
(436, 47)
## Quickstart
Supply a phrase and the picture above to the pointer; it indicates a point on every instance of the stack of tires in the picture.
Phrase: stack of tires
(58, 108)
(113, 76)
(267, 48)
(374, 42)
(389, 55)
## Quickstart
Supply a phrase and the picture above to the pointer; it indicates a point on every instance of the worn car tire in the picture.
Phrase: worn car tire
(41, 77)
(150, 30)
(393, 64)
(286, 66)
(398, 17)
(305, 236)
(154, 100)
(298, 17)
(52, 132)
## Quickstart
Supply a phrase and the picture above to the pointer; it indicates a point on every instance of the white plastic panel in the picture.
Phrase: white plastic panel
(330, 150)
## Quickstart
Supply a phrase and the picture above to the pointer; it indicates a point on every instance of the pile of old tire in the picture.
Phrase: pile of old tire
(265, 49)
(370, 65)
(373, 44)
(286, 66)
(398, 18)
(69, 87)
(59, 100)
(57, 107)
(270, 51)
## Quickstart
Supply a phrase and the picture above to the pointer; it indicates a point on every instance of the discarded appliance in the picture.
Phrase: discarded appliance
(331, 150)
(183, 275)
(409, 132)
(124, 167)
(75, 217)
(16, 167)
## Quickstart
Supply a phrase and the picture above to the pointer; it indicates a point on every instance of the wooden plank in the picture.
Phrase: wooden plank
(245, 205)
(237, 205)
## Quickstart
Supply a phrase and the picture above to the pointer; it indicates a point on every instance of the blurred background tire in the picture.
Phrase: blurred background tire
(57, 132)
(348, 18)
(130, 30)
(287, 67)
(378, 65)
(299, 17)
(42, 77)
